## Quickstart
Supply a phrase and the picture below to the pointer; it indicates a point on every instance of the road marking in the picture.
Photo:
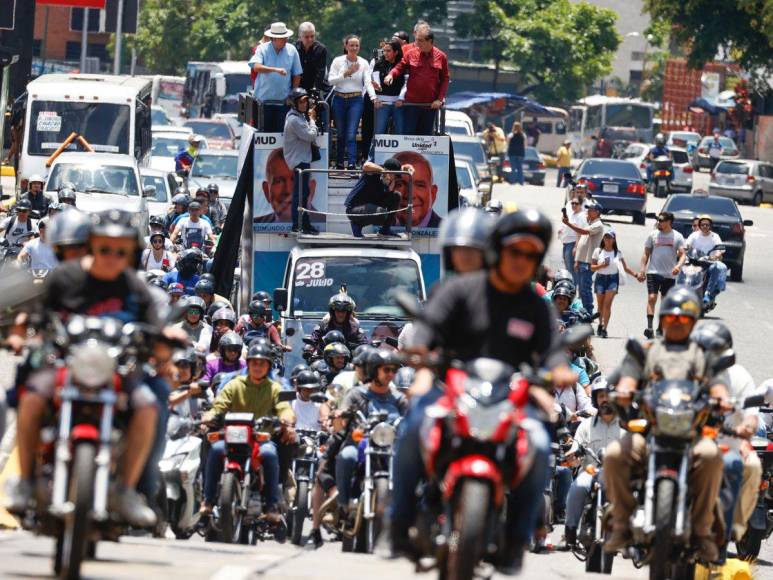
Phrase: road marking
(232, 573)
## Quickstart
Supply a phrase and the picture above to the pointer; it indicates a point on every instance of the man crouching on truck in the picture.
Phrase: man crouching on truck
(375, 194)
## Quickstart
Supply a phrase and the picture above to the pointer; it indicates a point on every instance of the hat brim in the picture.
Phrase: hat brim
(270, 34)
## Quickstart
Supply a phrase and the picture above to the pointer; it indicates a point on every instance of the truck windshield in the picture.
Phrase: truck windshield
(372, 282)
(94, 178)
(105, 126)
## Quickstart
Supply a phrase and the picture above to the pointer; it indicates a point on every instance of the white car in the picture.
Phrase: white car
(468, 189)
(101, 180)
(164, 184)
(220, 166)
(683, 171)
(459, 123)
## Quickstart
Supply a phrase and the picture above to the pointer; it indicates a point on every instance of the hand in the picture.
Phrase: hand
(378, 103)
(353, 69)
(280, 71)
(436, 104)
(195, 390)
(287, 348)
(313, 114)
(565, 220)
(375, 85)
(398, 103)
(675, 271)
(744, 430)
(576, 266)
(641, 276)
(288, 434)
(388, 81)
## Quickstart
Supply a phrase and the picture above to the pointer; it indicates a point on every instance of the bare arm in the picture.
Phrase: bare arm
(370, 167)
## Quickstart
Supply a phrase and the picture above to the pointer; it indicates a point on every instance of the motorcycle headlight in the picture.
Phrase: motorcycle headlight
(383, 435)
(483, 421)
(237, 434)
(91, 365)
(674, 423)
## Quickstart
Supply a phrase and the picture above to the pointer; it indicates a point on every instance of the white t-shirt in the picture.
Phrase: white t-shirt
(18, 229)
(194, 232)
(359, 82)
(600, 256)
(306, 414)
(42, 255)
(579, 219)
(703, 243)
(149, 262)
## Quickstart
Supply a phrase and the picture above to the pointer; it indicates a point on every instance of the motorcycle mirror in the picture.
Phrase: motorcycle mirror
(408, 303)
(308, 340)
(748, 223)
(635, 349)
(754, 401)
(318, 398)
(651, 215)
(576, 335)
(391, 341)
(286, 396)
(723, 361)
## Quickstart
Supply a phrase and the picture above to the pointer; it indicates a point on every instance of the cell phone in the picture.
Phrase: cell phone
(563, 211)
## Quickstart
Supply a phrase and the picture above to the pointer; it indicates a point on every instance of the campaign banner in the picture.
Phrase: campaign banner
(273, 186)
(429, 157)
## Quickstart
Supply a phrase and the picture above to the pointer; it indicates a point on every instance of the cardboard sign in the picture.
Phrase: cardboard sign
(48, 121)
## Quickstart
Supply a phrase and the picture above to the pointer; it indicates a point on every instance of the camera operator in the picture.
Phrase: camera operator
(375, 193)
(300, 132)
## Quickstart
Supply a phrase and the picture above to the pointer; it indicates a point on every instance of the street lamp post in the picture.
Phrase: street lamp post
(647, 41)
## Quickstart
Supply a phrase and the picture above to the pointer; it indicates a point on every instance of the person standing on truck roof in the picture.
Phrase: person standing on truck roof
(427, 70)
(278, 67)
(375, 193)
(300, 134)
(313, 55)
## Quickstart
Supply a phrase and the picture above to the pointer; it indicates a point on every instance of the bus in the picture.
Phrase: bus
(214, 87)
(597, 112)
(112, 114)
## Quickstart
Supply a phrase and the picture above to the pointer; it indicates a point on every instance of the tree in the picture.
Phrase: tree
(737, 29)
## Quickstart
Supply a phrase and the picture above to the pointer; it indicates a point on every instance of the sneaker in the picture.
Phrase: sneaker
(18, 497)
(570, 537)
(315, 539)
(387, 233)
(648, 333)
(131, 506)
(310, 230)
(659, 332)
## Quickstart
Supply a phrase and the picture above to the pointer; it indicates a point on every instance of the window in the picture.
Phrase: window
(766, 171)
(36, 43)
(72, 51)
(96, 20)
(637, 56)
(594, 118)
(575, 119)
(94, 179)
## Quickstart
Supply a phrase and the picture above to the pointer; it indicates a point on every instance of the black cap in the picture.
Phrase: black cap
(392, 164)
(194, 205)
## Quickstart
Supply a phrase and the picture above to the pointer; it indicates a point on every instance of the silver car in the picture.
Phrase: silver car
(745, 180)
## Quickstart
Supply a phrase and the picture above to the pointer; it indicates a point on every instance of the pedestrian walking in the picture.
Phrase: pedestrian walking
(350, 77)
(563, 162)
(516, 151)
(660, 264)
(609, 265)
(568, 236)
(278, 69)
(427, 70)
(590, 238)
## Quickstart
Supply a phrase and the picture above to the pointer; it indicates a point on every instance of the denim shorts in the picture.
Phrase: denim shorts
(606, 283)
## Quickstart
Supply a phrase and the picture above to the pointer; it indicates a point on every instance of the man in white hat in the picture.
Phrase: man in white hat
(278, 69)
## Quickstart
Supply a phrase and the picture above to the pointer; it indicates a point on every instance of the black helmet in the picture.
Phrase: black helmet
(213, 188)
(320, 367)
(190, 260)
(71, 228)
(494, 206)
(681, 300)
(333, 336)
(404, 378)
(196, 302)
(465, 228)
(116, 223)
(257, 308)
(295, 95)
(224, 314)
(378, 358)
(563, 290)
(261, 350)
(208, 276)
(215, 306)
(229, 339)
(262, 295)
(297, 369)
(187, 356)
(713, 336)
(180, 197)
(341, 302)
(23, 205)
(204, 287)
(336, 349)
(66, 195)
(528, 223)
(156, 220)
(360, 355)
(307, 379)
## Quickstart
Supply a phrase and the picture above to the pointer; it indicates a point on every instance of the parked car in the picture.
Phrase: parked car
(745, 180)
(468, 190)
(728, 224)
(472, 147)
(484, 187)
(700, 157)
(220, 166)
(533, 167)
(101, 180)
(617, 185)
(219, 133)
(459, 123)
(164, 184)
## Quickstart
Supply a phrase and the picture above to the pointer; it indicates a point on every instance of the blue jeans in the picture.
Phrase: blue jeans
(578, 495)
(731, 487)
(569, 259)
(269, 463)
(516, 164)
(301, 195)
(563, 483)
(585, 284)
(346, 463)
(525, 502)
(418, 120)
(383, 114)
(347, 114)
(274, 118)
(717, 278)
(148, 484)
(561, 172)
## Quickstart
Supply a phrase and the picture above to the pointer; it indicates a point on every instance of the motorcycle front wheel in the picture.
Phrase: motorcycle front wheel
(300, 512)
(662, 546)
(465, 547)
(75, 531)
(230, 515)
(375, 524)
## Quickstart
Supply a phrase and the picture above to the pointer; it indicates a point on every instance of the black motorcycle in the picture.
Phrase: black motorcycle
(591, 529)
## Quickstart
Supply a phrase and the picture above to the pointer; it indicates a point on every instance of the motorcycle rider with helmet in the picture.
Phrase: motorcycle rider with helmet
(705, 240)
(346, 380)
(463, 237)
(309, 414)
(205, 288)
(337, 357)
(187, 270)
(199, 332)
(340, 317)
(229, 357)
(658, 150)
(265, 298)
(257, 325)
(39, 201)
(252, 393)
(493, 313)
(217, 209)
(672, 357)
(223, 320)
(180, 201)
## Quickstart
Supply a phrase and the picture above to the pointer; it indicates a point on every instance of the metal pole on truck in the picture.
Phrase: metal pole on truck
(84, 38)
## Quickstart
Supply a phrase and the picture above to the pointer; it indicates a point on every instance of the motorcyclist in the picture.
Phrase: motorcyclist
(252, 393)
(193, 323)
(175, 291)
(205, 289)
(187, 270)
(743, 470)
(38, 253)
(341, 317)
(337, 356)
(658, 150)
(217, 209)
(594, 433)
(67, 196)
(223, 320)
(672, 357)
(19, 227)
(38, 200)
(265, 298)
(309, 414)
(493, 313)
(463, 237)
(346, 380)
(179, 207)
(184, 401)
(68, 235)
(103, 284)
(256, 325)
(705, 240)
(229, 356)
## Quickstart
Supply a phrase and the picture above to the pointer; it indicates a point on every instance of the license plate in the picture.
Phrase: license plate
(610, 188)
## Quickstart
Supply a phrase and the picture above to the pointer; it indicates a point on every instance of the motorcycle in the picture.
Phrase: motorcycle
(694, 273)
(591, 529)
(372, 484)
(238, 515)
(80, 450)
(9, 252)
(304, 472)
(662, 174)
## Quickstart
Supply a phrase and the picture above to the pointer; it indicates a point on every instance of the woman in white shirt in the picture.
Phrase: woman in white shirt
(350, 76)
(156, 257)
(607, 263)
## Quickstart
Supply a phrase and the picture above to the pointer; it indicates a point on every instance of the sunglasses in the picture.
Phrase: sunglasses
(574, 203)
(663, 220)
(389, 370)
(195, 311)
(680, 318)
(518, 253)
(108, 251)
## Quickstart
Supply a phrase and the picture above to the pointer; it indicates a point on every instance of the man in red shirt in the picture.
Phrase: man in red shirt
(427, 70)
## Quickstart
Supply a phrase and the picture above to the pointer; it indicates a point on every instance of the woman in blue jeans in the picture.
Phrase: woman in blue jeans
(350, 77)
(607, 263)
(516, 151)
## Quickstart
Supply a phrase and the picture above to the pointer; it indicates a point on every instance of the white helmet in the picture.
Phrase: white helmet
(36, 179)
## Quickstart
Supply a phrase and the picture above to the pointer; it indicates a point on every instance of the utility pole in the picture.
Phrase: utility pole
(84, 39)
(118, 47)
